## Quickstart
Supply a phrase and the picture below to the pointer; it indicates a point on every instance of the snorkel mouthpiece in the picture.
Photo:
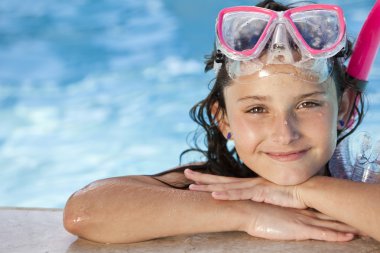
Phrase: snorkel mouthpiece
(366, 46)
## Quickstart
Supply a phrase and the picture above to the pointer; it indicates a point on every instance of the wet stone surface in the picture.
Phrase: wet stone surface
(41, 230)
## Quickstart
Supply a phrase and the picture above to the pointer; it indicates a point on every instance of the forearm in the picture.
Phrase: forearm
(356, 204)
(128, 210)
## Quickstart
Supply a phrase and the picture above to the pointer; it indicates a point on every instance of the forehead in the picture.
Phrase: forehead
(280, 84)
(309, 75)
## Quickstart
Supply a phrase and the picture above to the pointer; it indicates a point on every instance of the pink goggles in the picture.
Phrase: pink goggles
(318, 30)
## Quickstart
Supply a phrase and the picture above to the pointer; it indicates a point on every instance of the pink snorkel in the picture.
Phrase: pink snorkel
(364, 53)
(358, 69)
(366, 46)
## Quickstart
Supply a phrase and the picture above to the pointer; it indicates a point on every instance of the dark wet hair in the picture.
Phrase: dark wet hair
(222, 160)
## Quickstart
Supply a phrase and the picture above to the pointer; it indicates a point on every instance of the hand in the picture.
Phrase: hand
(273, 222)
(278, 223)
(255, 189)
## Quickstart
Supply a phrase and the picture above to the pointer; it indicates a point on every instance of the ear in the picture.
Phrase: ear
(221, 120)
(345, 106)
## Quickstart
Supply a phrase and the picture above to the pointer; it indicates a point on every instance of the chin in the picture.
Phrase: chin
(291, 178)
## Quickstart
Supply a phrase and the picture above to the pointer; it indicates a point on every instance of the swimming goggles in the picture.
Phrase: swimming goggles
(315, 32)
(319, 30)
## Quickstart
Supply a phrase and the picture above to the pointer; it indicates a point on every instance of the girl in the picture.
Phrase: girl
(281, 97)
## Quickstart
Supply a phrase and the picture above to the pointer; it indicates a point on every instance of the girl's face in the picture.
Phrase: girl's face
(284, 129)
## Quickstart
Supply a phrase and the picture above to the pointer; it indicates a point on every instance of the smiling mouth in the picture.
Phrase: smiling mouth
(287, 156)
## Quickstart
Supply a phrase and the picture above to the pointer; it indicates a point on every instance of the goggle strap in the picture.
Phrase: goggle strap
(219, 56)
(343, 52)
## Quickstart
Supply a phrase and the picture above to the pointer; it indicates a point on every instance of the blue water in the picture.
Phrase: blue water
(94, 89)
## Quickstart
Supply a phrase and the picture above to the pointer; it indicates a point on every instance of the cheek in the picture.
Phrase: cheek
(246, 131)
(324, 123)
(320, 122)
(322, 130)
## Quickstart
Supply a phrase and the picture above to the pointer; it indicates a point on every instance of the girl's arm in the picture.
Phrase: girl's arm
(356, 204)
(138, 208)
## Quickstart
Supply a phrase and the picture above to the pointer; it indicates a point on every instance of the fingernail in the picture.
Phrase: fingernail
(350, 235)
(189, 171)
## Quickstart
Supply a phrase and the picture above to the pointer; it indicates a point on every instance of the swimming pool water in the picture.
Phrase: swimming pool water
(94, 89)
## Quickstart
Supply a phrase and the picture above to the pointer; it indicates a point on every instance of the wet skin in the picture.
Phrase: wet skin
(284, 129)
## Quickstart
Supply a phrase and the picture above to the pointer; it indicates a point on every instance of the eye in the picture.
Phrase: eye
(257, 109)
(308, 104)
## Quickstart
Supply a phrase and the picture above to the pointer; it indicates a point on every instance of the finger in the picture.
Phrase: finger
(240, 194)
(256, 194)
(316, 214)
(245, 185)
(210, 179)
(204, 187)
(199, 187)
(344, 228)
(322, 216)
(327, 222)
(336, 225)
(322, 220)
(225, 195)
(325, 234)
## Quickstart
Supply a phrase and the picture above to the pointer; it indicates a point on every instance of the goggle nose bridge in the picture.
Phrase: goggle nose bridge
(280, 49)
(280, 37)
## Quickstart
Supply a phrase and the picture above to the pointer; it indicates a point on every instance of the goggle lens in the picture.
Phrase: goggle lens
(242, 30)
(318, 33)
(319, 28)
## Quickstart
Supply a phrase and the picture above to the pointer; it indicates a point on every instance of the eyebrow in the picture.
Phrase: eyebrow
(264, 98)
(311, 94)
(259, 98)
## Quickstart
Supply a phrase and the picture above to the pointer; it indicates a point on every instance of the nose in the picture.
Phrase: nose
(280, 51)
(285, 129)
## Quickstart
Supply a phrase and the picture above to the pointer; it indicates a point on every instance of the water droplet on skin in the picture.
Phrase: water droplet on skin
(79, 219)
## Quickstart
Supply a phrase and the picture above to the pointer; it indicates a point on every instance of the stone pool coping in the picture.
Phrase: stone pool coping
(40, 230)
